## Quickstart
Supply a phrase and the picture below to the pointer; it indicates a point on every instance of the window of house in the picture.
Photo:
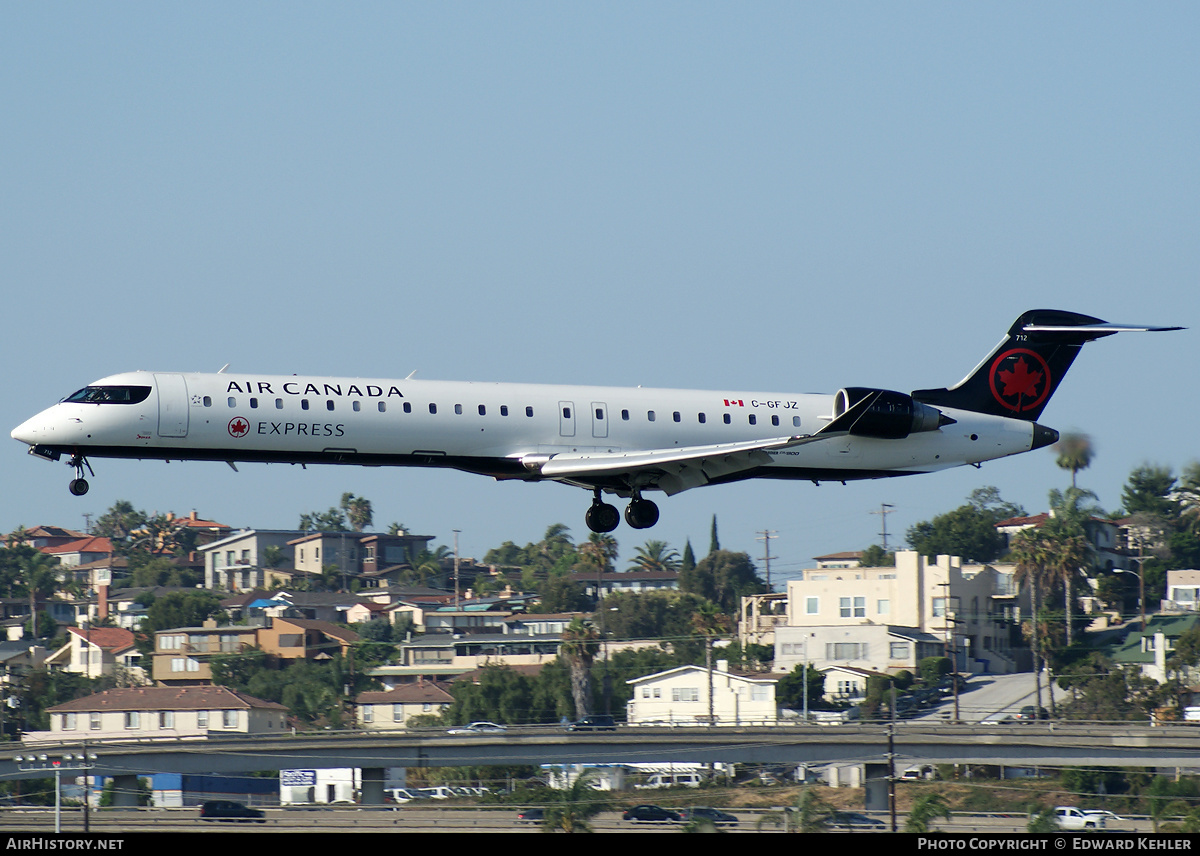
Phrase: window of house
(166, 719)
(397, 713)
(68, 722)
(685, 694)
(133, 719)
(229, 719)
(812, 605)
(202, 719)
(898, 650)
(94, 720)
(368, 713)
(852, 607)
(883, 607)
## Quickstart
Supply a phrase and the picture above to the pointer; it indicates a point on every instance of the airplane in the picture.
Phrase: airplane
(609, 440)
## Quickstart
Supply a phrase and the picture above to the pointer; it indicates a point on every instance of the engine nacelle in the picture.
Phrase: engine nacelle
(889, 415)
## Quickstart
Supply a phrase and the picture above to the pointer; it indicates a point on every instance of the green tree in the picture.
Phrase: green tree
(723, 577)
(875, 557)
(927, 808)
(39, 578)
(714, 543)
(177, 609)
(1149, 489)
(332, 520)
(789, 690)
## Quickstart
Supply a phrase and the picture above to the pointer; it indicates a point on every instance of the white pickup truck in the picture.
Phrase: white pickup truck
(1069, 817)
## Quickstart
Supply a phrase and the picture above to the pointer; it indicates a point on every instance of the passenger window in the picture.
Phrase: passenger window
(624, 415)
(775, 421)
(279, 404)
(482, 410)
(566, 413)
(599, 413)
(702, 418)
(503, 409)
(329, 404)
(529, 411)
(676, 416)
(383, 406)
(795, 421)
(254, 404)
(753, 419)
(356, 406)
(207, 401)
(649, 415)
(458, 410)
(432, 407)
(407, 406)
(232, 401)
(304, 404)
(728, 419)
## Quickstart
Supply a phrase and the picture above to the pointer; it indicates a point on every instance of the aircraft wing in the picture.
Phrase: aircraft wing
(673, 470)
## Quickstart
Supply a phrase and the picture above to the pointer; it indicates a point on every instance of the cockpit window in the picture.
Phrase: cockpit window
(110, 395)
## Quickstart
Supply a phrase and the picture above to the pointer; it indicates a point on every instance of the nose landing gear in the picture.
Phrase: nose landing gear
(79, 485)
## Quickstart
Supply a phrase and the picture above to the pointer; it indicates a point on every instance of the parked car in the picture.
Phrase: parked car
(531, 815)
(231, 811)
(651, 814)
(713, 815)
(1029, 713)
(478, 728)
(854, 820)
(593, 722)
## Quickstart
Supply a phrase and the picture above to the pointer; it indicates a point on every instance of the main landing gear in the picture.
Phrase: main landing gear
(79, 485)
(602, 517)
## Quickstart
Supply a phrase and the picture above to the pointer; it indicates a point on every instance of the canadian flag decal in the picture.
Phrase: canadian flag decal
(730, 402)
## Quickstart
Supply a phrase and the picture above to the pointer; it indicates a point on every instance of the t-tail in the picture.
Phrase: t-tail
(1018, 377)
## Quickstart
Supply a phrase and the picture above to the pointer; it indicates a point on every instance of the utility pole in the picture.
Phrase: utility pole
(884, 510)
(767, 535)
(456, 531)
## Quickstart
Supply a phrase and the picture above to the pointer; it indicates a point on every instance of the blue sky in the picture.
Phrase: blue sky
(769, 196)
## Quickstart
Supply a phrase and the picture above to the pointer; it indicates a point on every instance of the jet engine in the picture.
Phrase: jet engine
(884, 414)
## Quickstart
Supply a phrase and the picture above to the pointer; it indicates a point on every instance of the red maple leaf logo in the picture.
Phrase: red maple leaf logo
(1020, 381)
(238, 427)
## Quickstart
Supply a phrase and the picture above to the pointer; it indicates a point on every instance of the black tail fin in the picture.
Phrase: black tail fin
(1017, 378)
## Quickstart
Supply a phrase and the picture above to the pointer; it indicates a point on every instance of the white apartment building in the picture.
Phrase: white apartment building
(887, 619)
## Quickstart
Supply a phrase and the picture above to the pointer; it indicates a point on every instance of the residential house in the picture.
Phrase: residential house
(681, 696)
(1149, 650)
(183, 655)
(1183, 591)
(392, 709)
(143, 713)
(96, 651)
(238, 562)
(636, 582)
(1105, 537)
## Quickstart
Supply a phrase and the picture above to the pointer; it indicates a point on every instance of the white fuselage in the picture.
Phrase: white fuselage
(489, 428)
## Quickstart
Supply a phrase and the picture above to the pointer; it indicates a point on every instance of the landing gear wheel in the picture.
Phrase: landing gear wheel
(641, 513)
(602, 517)
(78, 486)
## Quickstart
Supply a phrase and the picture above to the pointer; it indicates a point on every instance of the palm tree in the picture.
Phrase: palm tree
(599, 551)
(1033, 558)
(575, 805)
(1074, 452)
(358, 511)
(39, 579)
(578, 647)
(656, 556)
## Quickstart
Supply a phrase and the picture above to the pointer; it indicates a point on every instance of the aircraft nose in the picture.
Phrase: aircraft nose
(27, 432)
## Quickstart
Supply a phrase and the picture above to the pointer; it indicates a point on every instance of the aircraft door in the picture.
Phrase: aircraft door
(566, 419)
(599, 419)
(172, 405)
